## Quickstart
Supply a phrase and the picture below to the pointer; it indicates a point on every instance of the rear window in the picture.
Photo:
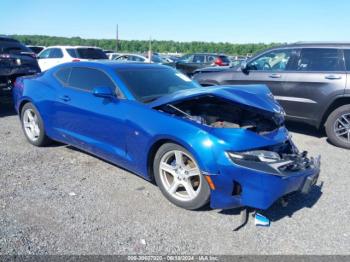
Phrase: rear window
(12, 47)
(225, 59)
(91, 53)
(36, 49)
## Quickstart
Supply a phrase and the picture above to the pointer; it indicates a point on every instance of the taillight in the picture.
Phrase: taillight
(76, 60)
(4, 56)
(219, 62)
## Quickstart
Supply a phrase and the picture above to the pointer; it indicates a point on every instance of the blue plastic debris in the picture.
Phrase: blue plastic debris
(261, 220)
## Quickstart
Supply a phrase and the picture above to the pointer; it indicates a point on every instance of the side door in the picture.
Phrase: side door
(269, 68)
(319, 75)
(92, 123)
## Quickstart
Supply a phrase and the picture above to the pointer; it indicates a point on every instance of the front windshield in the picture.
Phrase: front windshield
(148, 84)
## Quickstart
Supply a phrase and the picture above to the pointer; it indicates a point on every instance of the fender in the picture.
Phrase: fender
(328, 109)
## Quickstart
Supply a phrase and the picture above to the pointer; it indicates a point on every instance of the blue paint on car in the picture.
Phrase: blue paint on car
(125, 131)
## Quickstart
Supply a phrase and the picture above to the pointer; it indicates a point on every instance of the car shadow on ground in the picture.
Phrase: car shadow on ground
(292, 204)
(305, 129)
(6, 107)
(296, 201)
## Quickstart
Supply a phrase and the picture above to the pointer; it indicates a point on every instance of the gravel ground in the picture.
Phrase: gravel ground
(58, 200)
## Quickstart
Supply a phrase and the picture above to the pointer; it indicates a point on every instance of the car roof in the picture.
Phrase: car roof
(314, 44)
(8, 39)
(216, 54)
(72, 46)
(108, 64)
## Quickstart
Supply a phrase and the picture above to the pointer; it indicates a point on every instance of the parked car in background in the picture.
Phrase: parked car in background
(55, 55)
(108, 52)
(310, 80)
(113, 55)
(36, 48)
(15, 60)
(187, 64)
(220, 145)
(132, 58)
(236, 63)
(141, 58)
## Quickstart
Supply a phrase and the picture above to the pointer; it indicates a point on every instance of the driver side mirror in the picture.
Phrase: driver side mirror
(245, 67)
(105, 92)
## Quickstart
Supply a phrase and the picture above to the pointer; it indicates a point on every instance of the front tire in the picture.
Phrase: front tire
(178, 176)
(33, 126)
(338, 127)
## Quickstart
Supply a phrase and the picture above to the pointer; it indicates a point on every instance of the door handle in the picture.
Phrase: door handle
(65, 98)
(275, 76)
(332, 77)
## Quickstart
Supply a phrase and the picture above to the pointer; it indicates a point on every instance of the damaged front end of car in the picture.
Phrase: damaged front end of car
(257, 162)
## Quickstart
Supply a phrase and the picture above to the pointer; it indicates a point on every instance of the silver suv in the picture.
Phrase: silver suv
(310, 80)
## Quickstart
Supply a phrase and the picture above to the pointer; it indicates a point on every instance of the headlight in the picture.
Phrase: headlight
(256, 155)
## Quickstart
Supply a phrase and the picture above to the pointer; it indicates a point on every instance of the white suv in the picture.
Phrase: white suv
(55, 55)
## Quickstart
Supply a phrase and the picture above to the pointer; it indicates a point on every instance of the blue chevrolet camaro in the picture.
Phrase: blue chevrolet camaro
(224, 145)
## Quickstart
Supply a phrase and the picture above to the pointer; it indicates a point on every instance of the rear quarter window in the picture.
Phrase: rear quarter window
(89, 78)
(347, 59)
(320, 59)
(62, 75)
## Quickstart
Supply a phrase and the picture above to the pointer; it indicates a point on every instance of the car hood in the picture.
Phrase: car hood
(257, 96)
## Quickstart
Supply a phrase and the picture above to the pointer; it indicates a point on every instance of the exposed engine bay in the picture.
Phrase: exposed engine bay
(219, 113)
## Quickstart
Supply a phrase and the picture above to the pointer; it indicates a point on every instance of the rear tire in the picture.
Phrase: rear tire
(178, 176)
(338, 127)
(33, 126)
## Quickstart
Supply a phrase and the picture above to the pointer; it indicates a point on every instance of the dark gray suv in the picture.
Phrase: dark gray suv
(310, 80)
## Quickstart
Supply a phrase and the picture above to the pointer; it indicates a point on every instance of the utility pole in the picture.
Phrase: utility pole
(150, 49)
(117, 39)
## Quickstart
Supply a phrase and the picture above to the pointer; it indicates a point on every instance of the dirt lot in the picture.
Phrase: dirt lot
(59, 200)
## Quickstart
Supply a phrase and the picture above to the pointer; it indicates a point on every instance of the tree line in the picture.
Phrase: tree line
(143, 45)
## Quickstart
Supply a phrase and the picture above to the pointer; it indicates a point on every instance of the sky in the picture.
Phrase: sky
(244, 21)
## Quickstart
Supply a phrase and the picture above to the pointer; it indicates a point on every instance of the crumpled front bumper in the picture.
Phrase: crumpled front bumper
(238, 185)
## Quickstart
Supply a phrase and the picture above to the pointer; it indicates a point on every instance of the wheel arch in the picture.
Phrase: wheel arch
(153, 151)
(21, 105)
(337, 102)
(192, 148)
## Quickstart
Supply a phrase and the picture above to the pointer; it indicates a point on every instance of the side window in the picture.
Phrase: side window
(62, 75)
(122, 58)
(72, 52)
(347, 59)
(320, 59)
(198, 59)
(45, 53)
(186, 58)
(56, 53)
(276, 60)
(88, 78)
(211, 59)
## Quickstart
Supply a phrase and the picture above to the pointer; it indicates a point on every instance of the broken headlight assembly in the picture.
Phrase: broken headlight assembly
(271, 162)
(256, 155)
